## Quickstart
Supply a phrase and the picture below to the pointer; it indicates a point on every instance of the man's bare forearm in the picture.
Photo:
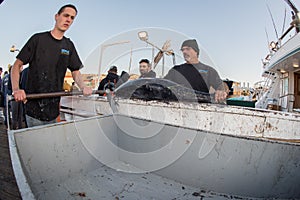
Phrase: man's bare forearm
(19, 95)
(78, 79)
(15, 75)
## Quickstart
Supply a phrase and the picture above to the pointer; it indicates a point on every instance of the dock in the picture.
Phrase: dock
(8, 186)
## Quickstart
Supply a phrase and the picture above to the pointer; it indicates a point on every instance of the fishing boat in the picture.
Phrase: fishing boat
(281, 90)
(124, 146)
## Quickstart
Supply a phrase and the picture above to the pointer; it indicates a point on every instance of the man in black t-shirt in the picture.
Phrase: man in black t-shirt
(195, 75)
(48, 54)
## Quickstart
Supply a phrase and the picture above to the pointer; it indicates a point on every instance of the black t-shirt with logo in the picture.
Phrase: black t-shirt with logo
(198, 77)
(48, 60)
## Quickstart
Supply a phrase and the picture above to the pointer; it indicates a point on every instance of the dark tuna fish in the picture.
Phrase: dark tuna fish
(161, 90)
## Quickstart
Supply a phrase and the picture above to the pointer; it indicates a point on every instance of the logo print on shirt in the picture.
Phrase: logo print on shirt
(65, 52)
(202, 71)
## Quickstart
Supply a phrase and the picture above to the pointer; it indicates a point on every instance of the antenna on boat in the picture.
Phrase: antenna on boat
(274, 25)
(268, 41)
(284, 19)
(294, 24)
(267, 59)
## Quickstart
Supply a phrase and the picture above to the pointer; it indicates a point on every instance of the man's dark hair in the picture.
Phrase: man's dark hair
(67, 6)
(113, 69)
(145, 61)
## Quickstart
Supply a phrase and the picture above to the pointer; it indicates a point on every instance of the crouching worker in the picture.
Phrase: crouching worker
(48, 54)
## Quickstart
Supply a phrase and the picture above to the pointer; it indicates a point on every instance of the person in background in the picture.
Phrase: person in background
(1, 91)
(6, 88)
(1, 88)
(196, 75)
(110, 81)
(145, 69)
(1, 70)
(48, 54)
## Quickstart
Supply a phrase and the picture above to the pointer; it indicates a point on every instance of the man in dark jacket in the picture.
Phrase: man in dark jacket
(109, 82)
(145, 69)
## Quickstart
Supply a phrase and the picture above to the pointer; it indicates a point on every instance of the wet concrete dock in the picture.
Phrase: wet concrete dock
(8, 186)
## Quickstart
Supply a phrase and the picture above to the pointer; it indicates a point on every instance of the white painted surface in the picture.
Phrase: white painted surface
(65, 159)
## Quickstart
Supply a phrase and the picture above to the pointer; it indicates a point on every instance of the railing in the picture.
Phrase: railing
(265, 92)
(289, 102)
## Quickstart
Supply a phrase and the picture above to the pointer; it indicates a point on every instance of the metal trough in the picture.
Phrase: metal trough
(105, 158)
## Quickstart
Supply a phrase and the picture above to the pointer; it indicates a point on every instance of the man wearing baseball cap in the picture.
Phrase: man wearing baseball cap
(196, 75)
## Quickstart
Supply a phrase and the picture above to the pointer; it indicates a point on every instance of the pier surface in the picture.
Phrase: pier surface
(8, 186)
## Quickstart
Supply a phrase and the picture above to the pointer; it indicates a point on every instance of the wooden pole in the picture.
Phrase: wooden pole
(58, 94)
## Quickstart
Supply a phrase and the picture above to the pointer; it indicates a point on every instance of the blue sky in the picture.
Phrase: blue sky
(232, 31)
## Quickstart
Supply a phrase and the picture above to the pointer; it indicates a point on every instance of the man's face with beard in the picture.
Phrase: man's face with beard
(189, 54)
(144, 68)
